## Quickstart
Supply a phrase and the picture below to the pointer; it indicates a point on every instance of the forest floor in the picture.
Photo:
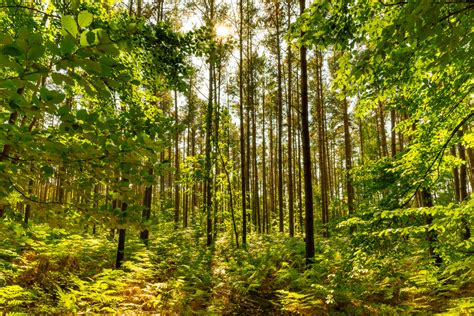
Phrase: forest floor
(50, 270)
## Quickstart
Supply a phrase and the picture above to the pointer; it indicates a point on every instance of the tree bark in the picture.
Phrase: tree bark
(393, 139)
(265, 213)
(242, 133)
(383, 136)
(466, 232)
(290, 138)
(348, 156)
(457, 193)
(309, 224)
(432, 237)
(280, 121)
(176, 165)
(323, 162)
(209, 113)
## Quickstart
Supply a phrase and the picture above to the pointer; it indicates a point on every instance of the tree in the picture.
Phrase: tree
(308, 188)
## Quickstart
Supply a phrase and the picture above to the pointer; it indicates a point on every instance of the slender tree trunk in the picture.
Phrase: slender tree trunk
(470, 154)
(121, 241)
(457, 193)
(265, 213)
(146, 212)
(186, 188)
(272, 171)
(280, 121)
(291, 214)
(309, 224)
(348, 155)
(242, 133)
(432, 237)
(208, 178)
(462, 169)
(28, 205)
(176, 165)
(323, 162)
(300, 176)
(194, 186)
(393, 140)
(217, 83)
(466, 232)
(383, 135)
(361, 142)
(256, 208)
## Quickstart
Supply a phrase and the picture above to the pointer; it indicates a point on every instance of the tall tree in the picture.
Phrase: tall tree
(308, 185)
(209, 115)
(279, 118)
(242, 133)
(291, 214)
(348, 157)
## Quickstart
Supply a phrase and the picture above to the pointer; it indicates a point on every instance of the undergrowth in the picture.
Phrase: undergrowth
(50, 270)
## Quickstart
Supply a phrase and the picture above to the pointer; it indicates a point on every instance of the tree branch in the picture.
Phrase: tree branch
(31, 9)
(439, 155)
(456, 12)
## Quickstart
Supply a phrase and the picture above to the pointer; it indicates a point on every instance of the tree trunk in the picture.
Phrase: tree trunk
(466, 232)
(393, 139)
(176, 165)
(432, 237)
(146, 212)
(121, 241)
(361, 142)
(383, 136)
(272, 171)
(309, 224)
(256, 208)
(265, 213)
(324, 183)
(242, 133)
(470, 154)
(290, 138)
(348, 156)
(208, 178)
(280, 122)
(457, 193)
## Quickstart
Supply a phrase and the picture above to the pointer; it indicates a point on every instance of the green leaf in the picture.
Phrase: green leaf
(63, 110)
(69, 25)
(88, 38)
(34, 38)
(8, 84)
(33, 77)
(92, 66)
(12, 50)
(84, 18)
(82, 115)
(36, 52)
(51, 96)
(59, 78)
(67, 45)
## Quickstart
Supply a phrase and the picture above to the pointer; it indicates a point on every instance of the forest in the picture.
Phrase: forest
(243, 157)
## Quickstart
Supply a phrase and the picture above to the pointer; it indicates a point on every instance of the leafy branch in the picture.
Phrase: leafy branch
(438, 157)
(31, 9)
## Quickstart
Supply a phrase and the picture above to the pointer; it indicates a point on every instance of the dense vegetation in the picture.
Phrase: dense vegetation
(257, 157)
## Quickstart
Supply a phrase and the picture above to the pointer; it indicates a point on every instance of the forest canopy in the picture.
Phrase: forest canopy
(236, 157)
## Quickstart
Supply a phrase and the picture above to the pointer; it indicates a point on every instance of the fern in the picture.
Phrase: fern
(15, 295)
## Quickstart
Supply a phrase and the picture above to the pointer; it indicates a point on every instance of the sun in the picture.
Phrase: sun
(222, 30)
